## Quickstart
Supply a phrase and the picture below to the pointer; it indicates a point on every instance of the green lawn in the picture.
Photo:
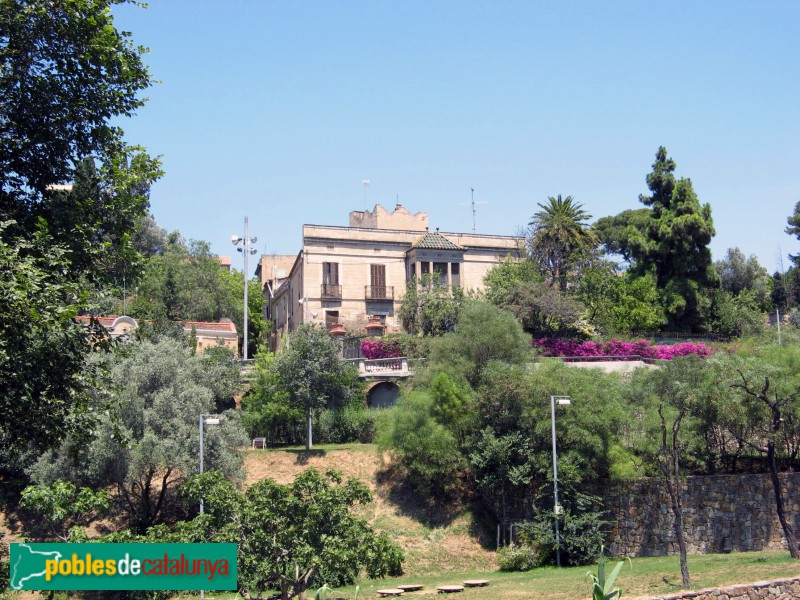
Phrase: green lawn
(643, 577)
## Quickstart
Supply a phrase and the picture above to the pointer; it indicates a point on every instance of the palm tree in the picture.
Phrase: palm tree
(560, 237)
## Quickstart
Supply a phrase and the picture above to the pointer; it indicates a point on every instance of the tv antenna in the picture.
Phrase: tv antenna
(474, 204)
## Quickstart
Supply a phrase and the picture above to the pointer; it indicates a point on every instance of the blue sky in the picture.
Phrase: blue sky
(279, 110)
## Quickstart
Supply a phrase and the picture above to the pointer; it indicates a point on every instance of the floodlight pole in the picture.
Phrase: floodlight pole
(246, 250)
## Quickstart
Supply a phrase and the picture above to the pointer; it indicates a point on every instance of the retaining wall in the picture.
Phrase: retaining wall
(722, 513)
(780, 589)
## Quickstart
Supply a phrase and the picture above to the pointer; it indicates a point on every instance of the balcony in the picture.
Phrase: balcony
(331, 291)
(379, 293)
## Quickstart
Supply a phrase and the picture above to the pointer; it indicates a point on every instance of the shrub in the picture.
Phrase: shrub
(348, 424)
(582, 529)
(423, 447)
(517, 557)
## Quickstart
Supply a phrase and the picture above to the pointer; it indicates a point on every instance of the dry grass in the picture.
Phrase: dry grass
(435, 542)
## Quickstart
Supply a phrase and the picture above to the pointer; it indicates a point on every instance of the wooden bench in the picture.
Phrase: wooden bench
(390, 592)
(259, 443)
(476, 583)
(410, 587)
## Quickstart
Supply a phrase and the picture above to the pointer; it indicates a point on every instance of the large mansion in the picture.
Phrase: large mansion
(350, 275)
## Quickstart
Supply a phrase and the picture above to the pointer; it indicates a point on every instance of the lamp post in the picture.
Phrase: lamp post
(561, 401)
(246, 250)
(205, 420)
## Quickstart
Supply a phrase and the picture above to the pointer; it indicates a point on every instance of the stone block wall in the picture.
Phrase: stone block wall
(722, 513)
(780, 589)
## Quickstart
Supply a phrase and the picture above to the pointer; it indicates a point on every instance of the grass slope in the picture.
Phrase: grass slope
(434, 543)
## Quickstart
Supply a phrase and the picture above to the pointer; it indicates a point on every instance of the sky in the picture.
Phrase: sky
(279, 111)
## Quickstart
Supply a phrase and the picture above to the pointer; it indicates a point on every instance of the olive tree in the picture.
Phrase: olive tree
(148, 444)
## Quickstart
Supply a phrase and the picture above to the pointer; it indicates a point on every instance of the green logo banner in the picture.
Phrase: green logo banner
(123, 567)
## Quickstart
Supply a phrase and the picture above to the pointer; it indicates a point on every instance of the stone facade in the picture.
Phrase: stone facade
(779, 589)
(348, 274)
(723, 513)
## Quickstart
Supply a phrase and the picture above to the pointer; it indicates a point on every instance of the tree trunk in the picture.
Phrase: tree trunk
(788, 533)
(675, 489)
(671, 471)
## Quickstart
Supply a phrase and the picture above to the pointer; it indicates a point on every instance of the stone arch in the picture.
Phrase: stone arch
(382, 394)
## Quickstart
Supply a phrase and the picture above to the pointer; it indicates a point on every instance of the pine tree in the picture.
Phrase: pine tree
(674, 246)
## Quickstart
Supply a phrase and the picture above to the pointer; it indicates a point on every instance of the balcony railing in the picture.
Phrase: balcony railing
(385, 367)
(379, 292)
(331, 290)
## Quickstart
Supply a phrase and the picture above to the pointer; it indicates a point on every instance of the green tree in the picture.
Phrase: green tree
(560, 239)
(484, 333)
(672, 397)
(61, 133)
(148, 445)
(738, 274)
(43, 376)
(267, 411)
(674, 246)
(615, 232)
(544, 310)
(185, 282)
(424, 448)
(768, 389)
(312, 374)
(736, 315)
(793, 228)
(60, 507)
(293, 535)
(619, 303)
(502, 463)
(49, 126)
(429, 307)
(503, 278)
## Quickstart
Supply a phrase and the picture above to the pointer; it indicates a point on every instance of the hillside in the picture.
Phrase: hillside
(434, 543)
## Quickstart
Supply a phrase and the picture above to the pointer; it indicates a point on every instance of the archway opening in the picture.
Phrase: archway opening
(383, 395)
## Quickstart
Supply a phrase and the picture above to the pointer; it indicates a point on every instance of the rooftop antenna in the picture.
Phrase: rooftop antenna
(365, 183)
(474, 204)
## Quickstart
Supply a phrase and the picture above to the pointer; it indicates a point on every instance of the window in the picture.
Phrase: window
(330, 273)
(455, 274)
(377, 278)
(330, 281)
(331, 318)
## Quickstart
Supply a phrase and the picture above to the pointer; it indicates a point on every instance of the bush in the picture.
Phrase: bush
(423, 447)
(348, 424)
(517, 557)
(582, 531)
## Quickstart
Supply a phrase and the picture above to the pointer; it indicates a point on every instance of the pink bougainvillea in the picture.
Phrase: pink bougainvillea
(381, 348)
(619, 348)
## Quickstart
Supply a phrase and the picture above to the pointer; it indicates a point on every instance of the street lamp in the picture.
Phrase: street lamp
(557, 510)
(205, 420)
(246, 250)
